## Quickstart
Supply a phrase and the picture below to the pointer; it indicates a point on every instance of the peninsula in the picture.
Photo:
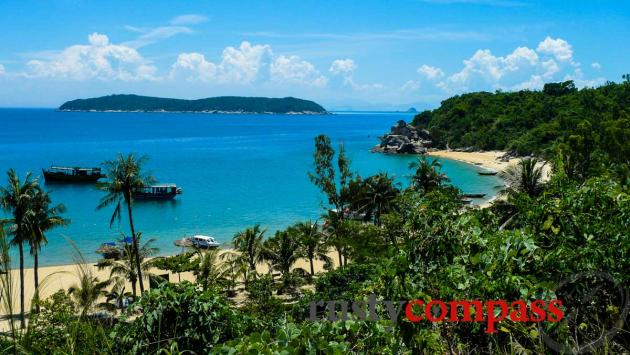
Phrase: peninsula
(222, 104)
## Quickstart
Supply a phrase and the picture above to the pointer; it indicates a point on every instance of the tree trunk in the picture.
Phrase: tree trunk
(22, 324)
(36, 277)
(340, 257)
(312, 269)
(133, 289)
(136, 247)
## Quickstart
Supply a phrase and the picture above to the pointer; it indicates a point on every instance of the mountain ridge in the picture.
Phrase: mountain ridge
(219, 104)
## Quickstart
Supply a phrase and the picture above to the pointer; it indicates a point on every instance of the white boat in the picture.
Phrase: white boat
(203, 241)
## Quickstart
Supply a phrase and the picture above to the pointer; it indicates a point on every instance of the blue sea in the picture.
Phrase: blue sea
(235, 170)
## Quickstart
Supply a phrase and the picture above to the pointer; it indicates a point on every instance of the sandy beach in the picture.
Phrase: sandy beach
(61, 277)
(489, 160)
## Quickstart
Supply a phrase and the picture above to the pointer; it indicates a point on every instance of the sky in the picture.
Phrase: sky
(345, 55)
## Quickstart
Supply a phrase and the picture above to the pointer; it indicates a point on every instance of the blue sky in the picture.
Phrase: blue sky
(343, 54)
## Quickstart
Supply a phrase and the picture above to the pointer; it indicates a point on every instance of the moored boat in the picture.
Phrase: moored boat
(474, 195)
(488, 172)
(198, 241)
(157, 192)
(72, 174)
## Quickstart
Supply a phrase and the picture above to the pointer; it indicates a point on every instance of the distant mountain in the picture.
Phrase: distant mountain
(223, 104)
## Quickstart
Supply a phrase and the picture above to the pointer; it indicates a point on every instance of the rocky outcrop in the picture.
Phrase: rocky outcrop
(404, 139)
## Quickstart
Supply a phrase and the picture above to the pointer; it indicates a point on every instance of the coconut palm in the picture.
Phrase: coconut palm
(17, 199)
(234, 269)
(427, 174)
(116, 297)
(87, 291)
(527, 176)
(124, 176)
(378, 196)
(282, 251)
(312, 242)
(125, 267)
(210, 270)
(249, 244)
(43, 217)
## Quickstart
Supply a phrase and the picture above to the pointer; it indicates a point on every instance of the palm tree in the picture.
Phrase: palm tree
(427, 174)
(282, 251)
(527, 176)
(249, 244)
(234, 269)
(378, 197)
(312, 242)
(42, 218)
(125, 175)
(210, 270)
(87, 291)
(125, 267)
(17, 199)
(117, 295)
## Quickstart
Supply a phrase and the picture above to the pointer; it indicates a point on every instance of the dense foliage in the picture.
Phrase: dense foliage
(565, 238)
(223, 103)
(533, 121)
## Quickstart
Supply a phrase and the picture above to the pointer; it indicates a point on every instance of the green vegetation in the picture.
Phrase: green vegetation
(230, 104)
(535, 121)
(565, 238)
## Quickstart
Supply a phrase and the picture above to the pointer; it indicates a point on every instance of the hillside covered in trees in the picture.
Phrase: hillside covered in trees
(534, 121)
(223, 104)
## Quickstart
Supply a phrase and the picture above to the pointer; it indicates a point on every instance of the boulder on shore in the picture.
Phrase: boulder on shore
(404, 139)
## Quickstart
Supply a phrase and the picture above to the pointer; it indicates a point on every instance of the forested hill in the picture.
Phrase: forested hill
(532, 121)
(224, 104)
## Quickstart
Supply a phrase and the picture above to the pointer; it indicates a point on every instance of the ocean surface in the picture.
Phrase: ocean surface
(235, 170)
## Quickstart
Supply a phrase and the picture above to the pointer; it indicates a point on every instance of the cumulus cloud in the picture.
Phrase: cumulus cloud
(99, 59)
(558, 47)
(189, 19)
(247, 64)
(523, 68)
(430, 72)
(410, 85)
(596, 66)
(195, 66)
(2, 70)
(293, 69)
(342, 66)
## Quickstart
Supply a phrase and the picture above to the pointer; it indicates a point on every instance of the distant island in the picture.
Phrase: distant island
(222, 104)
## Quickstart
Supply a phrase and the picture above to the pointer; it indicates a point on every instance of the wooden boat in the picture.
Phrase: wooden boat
(157, 192)
(487, 172)
(72, 174)
(474, 195)
(466, 201)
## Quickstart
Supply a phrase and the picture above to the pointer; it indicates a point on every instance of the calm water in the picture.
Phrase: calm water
(236, 170)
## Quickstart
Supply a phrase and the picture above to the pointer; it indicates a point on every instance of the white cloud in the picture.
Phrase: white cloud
(190, 19)
(430, 72)
(551, 67)
(345, 68)
(2, 69)
(293, 69)
(410, 85)
(152, 35)
(195, 65)
(558, 47)
(524, 68)
(242, 64)
(596, 66)
(97, 60)
(342, 66)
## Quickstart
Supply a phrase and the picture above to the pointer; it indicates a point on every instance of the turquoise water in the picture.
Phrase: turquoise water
(236, 170)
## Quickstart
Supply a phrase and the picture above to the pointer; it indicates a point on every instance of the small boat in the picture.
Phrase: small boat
(72, 174)
(198, 241)
(157, 192)
(474, 195)
(488, 172)
(466, 201)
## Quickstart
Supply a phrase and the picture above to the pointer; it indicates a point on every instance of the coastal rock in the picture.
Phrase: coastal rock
(404, 139)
